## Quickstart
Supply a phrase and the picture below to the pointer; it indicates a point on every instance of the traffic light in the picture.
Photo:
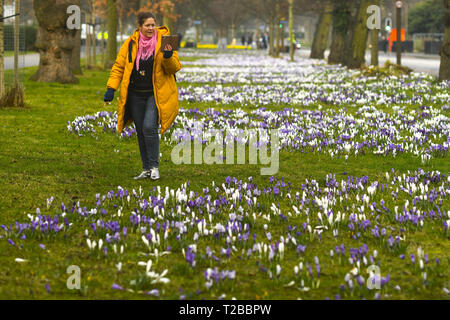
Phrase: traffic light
(388, 24)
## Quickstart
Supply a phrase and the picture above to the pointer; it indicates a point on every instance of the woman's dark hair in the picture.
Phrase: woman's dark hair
(142, 16)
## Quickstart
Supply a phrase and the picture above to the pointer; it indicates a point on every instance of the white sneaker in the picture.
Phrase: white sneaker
(144, 175)
(154, 174)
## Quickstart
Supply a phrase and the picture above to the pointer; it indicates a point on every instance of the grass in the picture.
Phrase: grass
(40, 159)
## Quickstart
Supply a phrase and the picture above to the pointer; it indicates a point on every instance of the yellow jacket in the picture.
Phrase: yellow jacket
(164, 86)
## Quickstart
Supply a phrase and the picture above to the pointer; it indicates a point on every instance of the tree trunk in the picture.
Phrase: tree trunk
(88, 43)
(257, 32)
(233, 31)
(2, 54)
(374, 42)
(319, 44)
(374, 51)
(54, 41)
(197, 34)
(94, 40)
(121, 30)
(111, 46)
(166, 17)
(103, 43)
(76, 54)
(353, 14)
(277, 25)
(341, 21)
(291, 29)
(359, 40)
(444, 70)
(271, 46)
(16, 43)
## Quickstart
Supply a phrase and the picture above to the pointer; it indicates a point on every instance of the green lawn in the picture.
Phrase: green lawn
(39, 158)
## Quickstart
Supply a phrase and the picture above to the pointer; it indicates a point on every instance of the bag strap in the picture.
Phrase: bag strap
(130, 48)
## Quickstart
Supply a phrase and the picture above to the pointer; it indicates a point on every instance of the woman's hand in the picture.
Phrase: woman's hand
(109, 95)
(168, 51)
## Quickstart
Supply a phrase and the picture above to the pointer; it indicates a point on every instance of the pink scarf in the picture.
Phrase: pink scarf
(146, 47)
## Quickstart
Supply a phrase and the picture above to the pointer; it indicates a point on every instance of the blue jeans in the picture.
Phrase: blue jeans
(145, 116)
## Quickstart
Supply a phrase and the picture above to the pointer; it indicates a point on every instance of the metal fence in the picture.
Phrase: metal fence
(428, 42)
(14, 48)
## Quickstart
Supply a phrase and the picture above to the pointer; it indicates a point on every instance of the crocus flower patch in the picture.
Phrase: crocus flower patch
(424, 132)
(342, 234)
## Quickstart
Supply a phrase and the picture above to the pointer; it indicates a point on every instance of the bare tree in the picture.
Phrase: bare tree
(264, 10)
(164, 10)
(225, 15)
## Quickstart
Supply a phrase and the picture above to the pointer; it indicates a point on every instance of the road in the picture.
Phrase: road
(29, 60)
(418, 62)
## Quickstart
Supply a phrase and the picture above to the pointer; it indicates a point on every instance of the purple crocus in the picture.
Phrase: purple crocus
(301, 248)
(190, 257)
(276, 191)
(115, 286)
(153, 292)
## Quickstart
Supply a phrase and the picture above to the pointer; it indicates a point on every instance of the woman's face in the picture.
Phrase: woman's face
(148, 27)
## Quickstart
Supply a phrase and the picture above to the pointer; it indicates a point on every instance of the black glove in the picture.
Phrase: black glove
(168, 54)
(109, 95)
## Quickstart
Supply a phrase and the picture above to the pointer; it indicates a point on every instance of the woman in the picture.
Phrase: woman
(148, 92)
